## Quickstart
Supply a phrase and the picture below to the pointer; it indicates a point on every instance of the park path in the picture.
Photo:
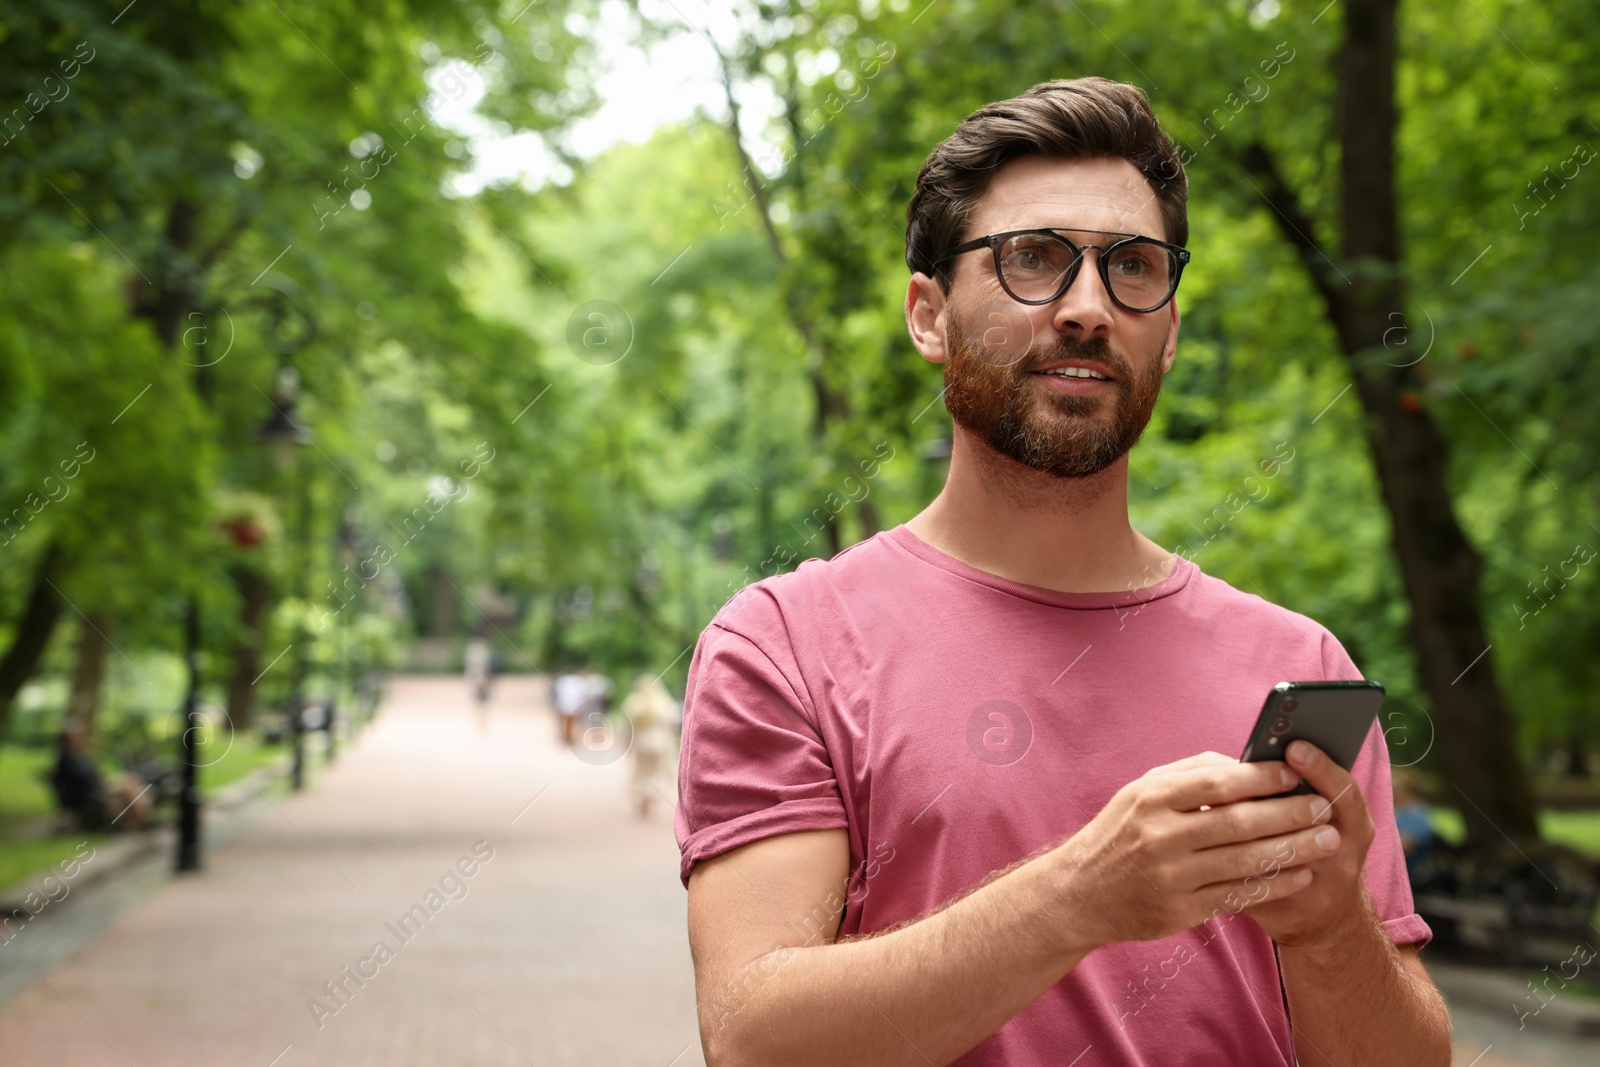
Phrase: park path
(567, 946)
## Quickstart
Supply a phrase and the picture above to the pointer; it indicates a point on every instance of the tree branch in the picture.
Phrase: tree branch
(240, 223)
(1297, 227)
(758, 188)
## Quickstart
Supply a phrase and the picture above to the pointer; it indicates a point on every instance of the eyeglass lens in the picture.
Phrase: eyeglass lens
(1034, 266)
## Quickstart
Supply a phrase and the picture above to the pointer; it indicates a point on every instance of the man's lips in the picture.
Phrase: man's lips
(1075, 370)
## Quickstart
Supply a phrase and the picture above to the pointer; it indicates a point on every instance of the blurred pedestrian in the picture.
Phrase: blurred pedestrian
(480, 676)
(568, 692)
(597, 694)
(652, 712)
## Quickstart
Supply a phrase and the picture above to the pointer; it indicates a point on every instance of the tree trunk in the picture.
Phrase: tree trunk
(1577, 756)
(88, 677)
(1365, 302)
(177, 283)
(255, 594)
(444, 616)
(38, 622)
(1440, 569)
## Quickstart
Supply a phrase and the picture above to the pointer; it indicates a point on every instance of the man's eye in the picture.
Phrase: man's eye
(1030, 259)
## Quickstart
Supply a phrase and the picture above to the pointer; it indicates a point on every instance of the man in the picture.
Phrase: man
(965, 793)
(76, 782)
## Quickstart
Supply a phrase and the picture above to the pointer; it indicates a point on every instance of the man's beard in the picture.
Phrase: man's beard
(1055, 433)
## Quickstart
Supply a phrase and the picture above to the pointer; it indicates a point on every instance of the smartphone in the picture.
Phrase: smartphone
(1334, 716)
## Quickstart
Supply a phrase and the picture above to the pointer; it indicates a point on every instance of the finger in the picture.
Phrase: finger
(1326, 777)
(1252, 820)
(1221, 898)
(1200, 759)
(1263, 859)
(1225, 784)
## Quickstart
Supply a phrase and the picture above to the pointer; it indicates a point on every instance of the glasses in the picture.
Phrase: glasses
(1037, 266)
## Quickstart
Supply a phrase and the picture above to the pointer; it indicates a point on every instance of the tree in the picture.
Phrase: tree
(1364, 301)
(162, 168)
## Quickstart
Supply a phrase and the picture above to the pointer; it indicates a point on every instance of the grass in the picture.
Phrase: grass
(1578, 987)
(1577, 829)
(19, 859)
(26, 804)
(245, 756)
(23, 792)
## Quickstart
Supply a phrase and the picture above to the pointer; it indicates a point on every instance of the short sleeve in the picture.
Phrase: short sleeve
(1385, 871)
(753, 763)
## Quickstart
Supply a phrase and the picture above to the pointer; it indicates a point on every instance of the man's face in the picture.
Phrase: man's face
(1004, 359)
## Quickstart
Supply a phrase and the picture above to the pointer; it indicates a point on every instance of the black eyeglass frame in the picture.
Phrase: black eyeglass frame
(993, 242)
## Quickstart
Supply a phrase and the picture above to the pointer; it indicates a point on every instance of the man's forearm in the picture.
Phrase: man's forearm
(926, 992)
(1352, 1000)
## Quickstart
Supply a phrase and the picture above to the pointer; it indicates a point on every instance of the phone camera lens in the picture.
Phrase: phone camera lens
(1289, 705)
(1281, 726)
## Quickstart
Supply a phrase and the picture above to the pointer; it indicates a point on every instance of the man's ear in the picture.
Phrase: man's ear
(1170, 349)
(926, 306)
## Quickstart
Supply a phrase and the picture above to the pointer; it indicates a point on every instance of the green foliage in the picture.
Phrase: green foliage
(1258, 368)
(189, 196)
(614, 501)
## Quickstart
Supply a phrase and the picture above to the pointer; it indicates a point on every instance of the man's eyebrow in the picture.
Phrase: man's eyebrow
(1070, 229)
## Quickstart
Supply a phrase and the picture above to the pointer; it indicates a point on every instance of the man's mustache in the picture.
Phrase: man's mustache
(1097, 350)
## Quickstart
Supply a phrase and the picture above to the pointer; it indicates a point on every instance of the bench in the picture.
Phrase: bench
(1517, 925)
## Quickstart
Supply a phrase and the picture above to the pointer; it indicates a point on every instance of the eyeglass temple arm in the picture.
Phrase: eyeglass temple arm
(972, 245)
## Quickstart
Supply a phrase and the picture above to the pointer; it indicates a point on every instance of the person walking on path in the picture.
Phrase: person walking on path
(965, 793)
(651, 711)
(593, 707)
(480, 677)
(567, 693)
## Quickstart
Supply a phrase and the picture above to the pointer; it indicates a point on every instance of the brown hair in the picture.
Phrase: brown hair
(1080, 118)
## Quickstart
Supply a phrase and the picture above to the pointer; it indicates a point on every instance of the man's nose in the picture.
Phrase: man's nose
(1085, 309)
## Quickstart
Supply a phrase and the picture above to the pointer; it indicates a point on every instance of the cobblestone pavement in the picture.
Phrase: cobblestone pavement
(565, 944)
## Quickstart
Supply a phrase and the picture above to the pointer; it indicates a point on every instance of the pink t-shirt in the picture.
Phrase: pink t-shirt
(954, 722)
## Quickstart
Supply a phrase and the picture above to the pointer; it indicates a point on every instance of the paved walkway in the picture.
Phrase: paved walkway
(567, 945)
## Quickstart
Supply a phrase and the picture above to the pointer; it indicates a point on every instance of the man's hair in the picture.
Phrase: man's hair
(1080, 118)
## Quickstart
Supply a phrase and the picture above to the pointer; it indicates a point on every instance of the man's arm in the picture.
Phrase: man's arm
(1354, 997)
(1365, 1001)
(775, 988)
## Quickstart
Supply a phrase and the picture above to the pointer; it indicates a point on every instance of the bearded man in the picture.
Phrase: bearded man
(963, 793)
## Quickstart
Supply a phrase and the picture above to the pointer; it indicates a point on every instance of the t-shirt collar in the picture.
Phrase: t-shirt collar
(1182, 570)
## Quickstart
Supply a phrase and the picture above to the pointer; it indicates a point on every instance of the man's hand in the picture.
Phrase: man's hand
(1325, 911)
(1194, 838)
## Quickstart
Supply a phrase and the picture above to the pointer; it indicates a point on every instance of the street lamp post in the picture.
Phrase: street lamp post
(189, 797)
(284, 434)
(291, 327)
(347, 537)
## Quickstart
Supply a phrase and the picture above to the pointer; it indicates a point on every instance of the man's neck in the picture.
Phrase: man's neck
(1067, 534)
